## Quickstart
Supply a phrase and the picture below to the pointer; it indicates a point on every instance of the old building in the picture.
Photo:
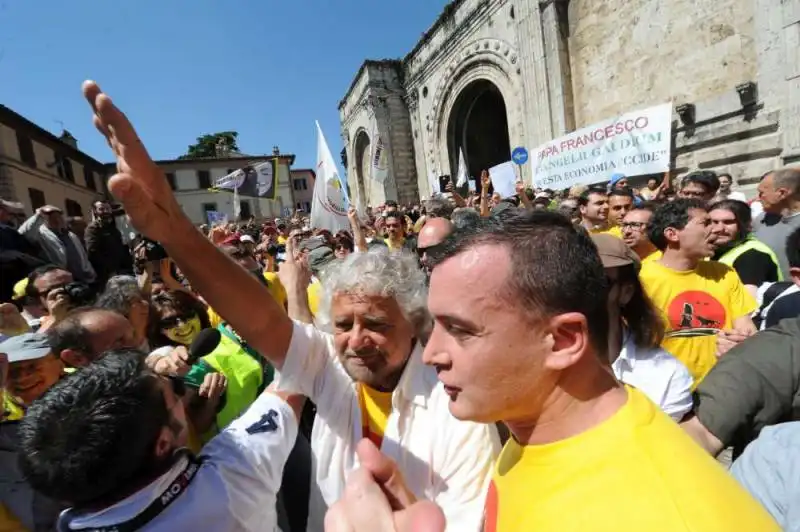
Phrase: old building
(192, 179)
(493, 74)
(303, 186)
(38, 168)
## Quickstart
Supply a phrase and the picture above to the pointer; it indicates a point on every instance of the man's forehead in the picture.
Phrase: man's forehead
(621, 199)
(54, 276)
(359, 301)
(639, 215)
(481, 268)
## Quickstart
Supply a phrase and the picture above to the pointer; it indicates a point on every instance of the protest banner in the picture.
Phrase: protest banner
(635, 143)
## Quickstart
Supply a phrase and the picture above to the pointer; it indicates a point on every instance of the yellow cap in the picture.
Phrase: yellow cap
(19, 288)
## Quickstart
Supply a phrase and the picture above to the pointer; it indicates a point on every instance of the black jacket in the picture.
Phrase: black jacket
(107, 253)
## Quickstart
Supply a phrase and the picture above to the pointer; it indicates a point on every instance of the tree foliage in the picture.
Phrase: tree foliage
(206, 146)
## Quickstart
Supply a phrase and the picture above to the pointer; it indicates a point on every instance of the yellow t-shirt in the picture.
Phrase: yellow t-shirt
(653, 255)
(8, 522)
(635, 472)
(696, 305)
(376, 406)
(392, 247)
(314, 292)
(276, 288)
(614, 231)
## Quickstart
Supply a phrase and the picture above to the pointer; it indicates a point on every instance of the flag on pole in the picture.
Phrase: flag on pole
(255, 180)
(330, 202)
(380, 164)
(237, 205)
(433, 182)
(462, 170)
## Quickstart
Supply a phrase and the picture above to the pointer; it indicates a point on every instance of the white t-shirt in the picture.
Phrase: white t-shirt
(235, 487)
(656, 373)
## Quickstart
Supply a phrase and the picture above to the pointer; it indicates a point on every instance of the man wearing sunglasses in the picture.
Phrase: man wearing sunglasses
(124, 431)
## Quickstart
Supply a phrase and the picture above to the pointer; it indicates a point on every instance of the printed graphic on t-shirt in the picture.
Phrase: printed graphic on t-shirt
(490, 510)
(695, 313)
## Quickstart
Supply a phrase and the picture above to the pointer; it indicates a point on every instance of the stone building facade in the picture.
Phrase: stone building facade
(490, 75)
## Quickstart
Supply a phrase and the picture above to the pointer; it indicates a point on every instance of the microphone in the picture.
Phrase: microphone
(204, 344)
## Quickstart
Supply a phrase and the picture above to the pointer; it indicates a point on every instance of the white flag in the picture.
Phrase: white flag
(231, 181)
(380, 164)
(433, 182)
(237, 206)
(462, 170)
(329, 205)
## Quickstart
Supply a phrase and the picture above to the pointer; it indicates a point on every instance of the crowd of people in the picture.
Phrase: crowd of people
(467, 363)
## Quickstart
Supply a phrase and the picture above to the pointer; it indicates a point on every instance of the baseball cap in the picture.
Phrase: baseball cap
(27, 346)
(247, 238)
(319, 258)
(614, 252)
(616, 178)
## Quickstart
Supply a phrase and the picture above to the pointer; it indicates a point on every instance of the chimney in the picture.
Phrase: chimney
(67, 138)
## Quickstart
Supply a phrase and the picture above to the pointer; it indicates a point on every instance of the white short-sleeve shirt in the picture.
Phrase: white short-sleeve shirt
(664, 379)
(442, 459)
(235, 488)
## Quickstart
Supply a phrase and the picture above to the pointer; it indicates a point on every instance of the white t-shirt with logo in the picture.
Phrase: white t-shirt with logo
(235, 487)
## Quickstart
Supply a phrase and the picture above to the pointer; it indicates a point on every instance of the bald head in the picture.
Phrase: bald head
(434, 232)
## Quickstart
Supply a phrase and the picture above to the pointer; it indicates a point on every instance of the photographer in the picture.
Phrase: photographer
(56, 293)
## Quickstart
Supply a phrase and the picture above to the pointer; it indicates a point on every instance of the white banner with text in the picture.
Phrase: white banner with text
(635, 143)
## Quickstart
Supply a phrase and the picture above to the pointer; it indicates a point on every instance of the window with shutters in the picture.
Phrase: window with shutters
(171, 180)
(88, 176)
(245, 212)
(26, 153)
(37, 198)
(73, 208)
(203, 179)
(64, 168)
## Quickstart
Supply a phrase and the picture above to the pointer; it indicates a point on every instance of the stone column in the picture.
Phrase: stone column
(538, 127)
(559, 76)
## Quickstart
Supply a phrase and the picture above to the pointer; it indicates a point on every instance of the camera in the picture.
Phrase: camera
(153, 250)
(78, 294)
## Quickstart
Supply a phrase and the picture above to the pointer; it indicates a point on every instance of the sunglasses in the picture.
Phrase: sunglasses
(173, 321)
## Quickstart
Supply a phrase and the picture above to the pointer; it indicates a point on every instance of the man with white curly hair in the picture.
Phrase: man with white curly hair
(368, 380)
(366, 376)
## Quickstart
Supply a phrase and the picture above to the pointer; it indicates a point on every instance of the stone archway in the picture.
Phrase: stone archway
(478, 125)
(362, 165)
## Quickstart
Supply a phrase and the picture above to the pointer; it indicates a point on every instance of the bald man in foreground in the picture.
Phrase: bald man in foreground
(432, 234)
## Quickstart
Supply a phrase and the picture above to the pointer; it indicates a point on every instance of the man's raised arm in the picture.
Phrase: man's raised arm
(143, 190)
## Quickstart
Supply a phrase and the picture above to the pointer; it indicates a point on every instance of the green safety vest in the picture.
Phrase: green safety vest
(750, 243)
(244, 377)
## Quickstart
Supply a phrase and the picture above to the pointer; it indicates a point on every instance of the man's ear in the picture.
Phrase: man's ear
(569, 333)
(795, 273)
(74, 358)
(671, 234)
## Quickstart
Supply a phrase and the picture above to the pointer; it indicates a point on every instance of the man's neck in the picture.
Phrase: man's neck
(581, 400)
(792, 209)
(645, 249)
(675, 260)
(594, 225)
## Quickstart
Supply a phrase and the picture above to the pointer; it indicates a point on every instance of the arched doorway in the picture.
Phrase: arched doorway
(478, 124)
(362, 160)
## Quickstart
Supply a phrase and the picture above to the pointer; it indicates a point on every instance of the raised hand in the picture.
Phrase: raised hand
(485, 180)
(139, 184)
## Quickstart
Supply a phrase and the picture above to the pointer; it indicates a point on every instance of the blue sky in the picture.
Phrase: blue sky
(182, 68)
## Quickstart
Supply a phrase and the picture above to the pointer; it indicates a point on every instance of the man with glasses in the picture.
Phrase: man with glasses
(110, 440)
(701, 185)
(634, 232)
